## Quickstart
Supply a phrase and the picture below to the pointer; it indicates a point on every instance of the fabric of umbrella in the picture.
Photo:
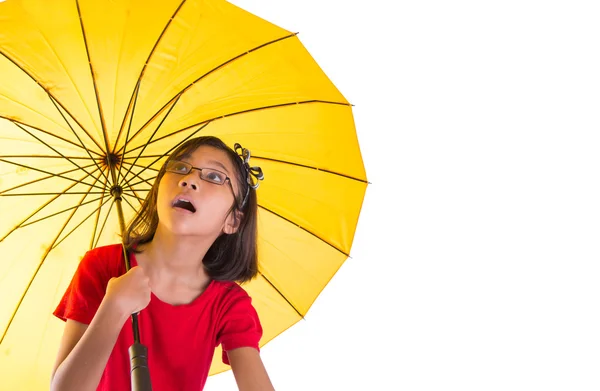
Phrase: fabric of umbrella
(93, 97)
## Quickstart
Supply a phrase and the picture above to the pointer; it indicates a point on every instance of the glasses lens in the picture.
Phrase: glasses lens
(178, 167)
(213, 176)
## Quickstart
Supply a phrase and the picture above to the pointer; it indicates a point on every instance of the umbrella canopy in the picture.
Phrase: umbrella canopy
(94, 95)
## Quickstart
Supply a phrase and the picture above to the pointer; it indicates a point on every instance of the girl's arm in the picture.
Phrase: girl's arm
(248, 369)
(84, 350)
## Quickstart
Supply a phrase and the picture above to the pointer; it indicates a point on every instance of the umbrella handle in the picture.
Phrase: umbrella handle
(140, 375)
(138, 353)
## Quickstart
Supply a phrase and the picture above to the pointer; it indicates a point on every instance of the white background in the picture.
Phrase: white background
(475, 264)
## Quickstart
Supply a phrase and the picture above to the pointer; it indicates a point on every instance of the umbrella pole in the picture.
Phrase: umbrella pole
(138, 353)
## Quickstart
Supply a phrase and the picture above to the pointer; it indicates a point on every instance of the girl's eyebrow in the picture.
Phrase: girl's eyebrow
(218, 163)
(186, 157)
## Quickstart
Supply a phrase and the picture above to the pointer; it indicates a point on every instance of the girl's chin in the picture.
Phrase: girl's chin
(181, 228)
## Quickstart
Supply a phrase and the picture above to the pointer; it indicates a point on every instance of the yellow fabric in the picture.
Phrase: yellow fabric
(159, 74)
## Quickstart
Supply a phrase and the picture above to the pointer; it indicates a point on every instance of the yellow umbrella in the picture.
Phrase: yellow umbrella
(94, 95)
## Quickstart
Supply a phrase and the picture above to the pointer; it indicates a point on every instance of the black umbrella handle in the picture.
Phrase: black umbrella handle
(140, 375)
(138, 353)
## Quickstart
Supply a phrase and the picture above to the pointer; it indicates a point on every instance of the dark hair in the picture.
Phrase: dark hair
(232, 257)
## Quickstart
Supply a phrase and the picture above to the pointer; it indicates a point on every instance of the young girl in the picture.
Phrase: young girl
(193, 239)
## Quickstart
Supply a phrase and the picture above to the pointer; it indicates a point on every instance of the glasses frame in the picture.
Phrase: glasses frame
(190, 167)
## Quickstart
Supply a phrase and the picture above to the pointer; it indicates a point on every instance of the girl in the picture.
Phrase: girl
(193, 239)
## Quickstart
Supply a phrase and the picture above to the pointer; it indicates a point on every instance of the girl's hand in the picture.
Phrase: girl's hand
(130, 293)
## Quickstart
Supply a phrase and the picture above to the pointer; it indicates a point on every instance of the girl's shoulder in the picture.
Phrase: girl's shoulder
(112, 250)
(229, 288)
(228, 293)
(106, 260)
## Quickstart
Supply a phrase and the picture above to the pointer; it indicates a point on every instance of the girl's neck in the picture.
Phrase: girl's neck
(175, 258)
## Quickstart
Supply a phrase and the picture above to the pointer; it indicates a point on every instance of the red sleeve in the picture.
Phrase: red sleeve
(240, 326)
(85, 292)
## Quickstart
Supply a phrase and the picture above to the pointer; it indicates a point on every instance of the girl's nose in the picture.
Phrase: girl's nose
(189, 181)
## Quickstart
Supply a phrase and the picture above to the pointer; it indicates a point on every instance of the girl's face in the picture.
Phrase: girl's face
(208, 215)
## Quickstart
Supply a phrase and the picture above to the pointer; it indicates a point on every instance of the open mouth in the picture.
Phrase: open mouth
(184, 204)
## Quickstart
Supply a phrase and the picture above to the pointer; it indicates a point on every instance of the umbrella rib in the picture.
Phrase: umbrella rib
(129, 203)
(78, 138)
(39, 209)
(46, 157)
(38, 180)
(153, 134)
(311, 167)
(54, 245)
(132, 187)
(49, 193)
(134, 95)
(12, 317)
(133, 190)
(104, 224)
(170, 150)
(281, 294)
(60, 154)
(140, 166)
(206, 122)
(130, 107)
(79, 225)
(55, 103)
(304, 229)
(98, 214)
(49, 173)
(48, 133)
(93, 75)
(208, 73)
(144, 181)
(136, 90)
(49, 95)
(147, 181)
(138, 198)
(62, 211)
(145, 157)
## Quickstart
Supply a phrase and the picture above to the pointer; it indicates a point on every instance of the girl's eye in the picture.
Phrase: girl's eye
(178, 167)
(215, 177)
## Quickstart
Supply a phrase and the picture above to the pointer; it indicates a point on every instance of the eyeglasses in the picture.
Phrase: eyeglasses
(206, 174)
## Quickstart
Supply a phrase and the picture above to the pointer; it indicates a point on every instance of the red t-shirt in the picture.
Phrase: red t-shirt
(181, 339)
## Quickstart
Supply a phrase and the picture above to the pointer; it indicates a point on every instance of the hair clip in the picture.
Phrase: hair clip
(253, 174)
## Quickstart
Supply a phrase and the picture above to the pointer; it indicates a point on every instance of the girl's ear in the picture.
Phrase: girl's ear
(233, 221)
